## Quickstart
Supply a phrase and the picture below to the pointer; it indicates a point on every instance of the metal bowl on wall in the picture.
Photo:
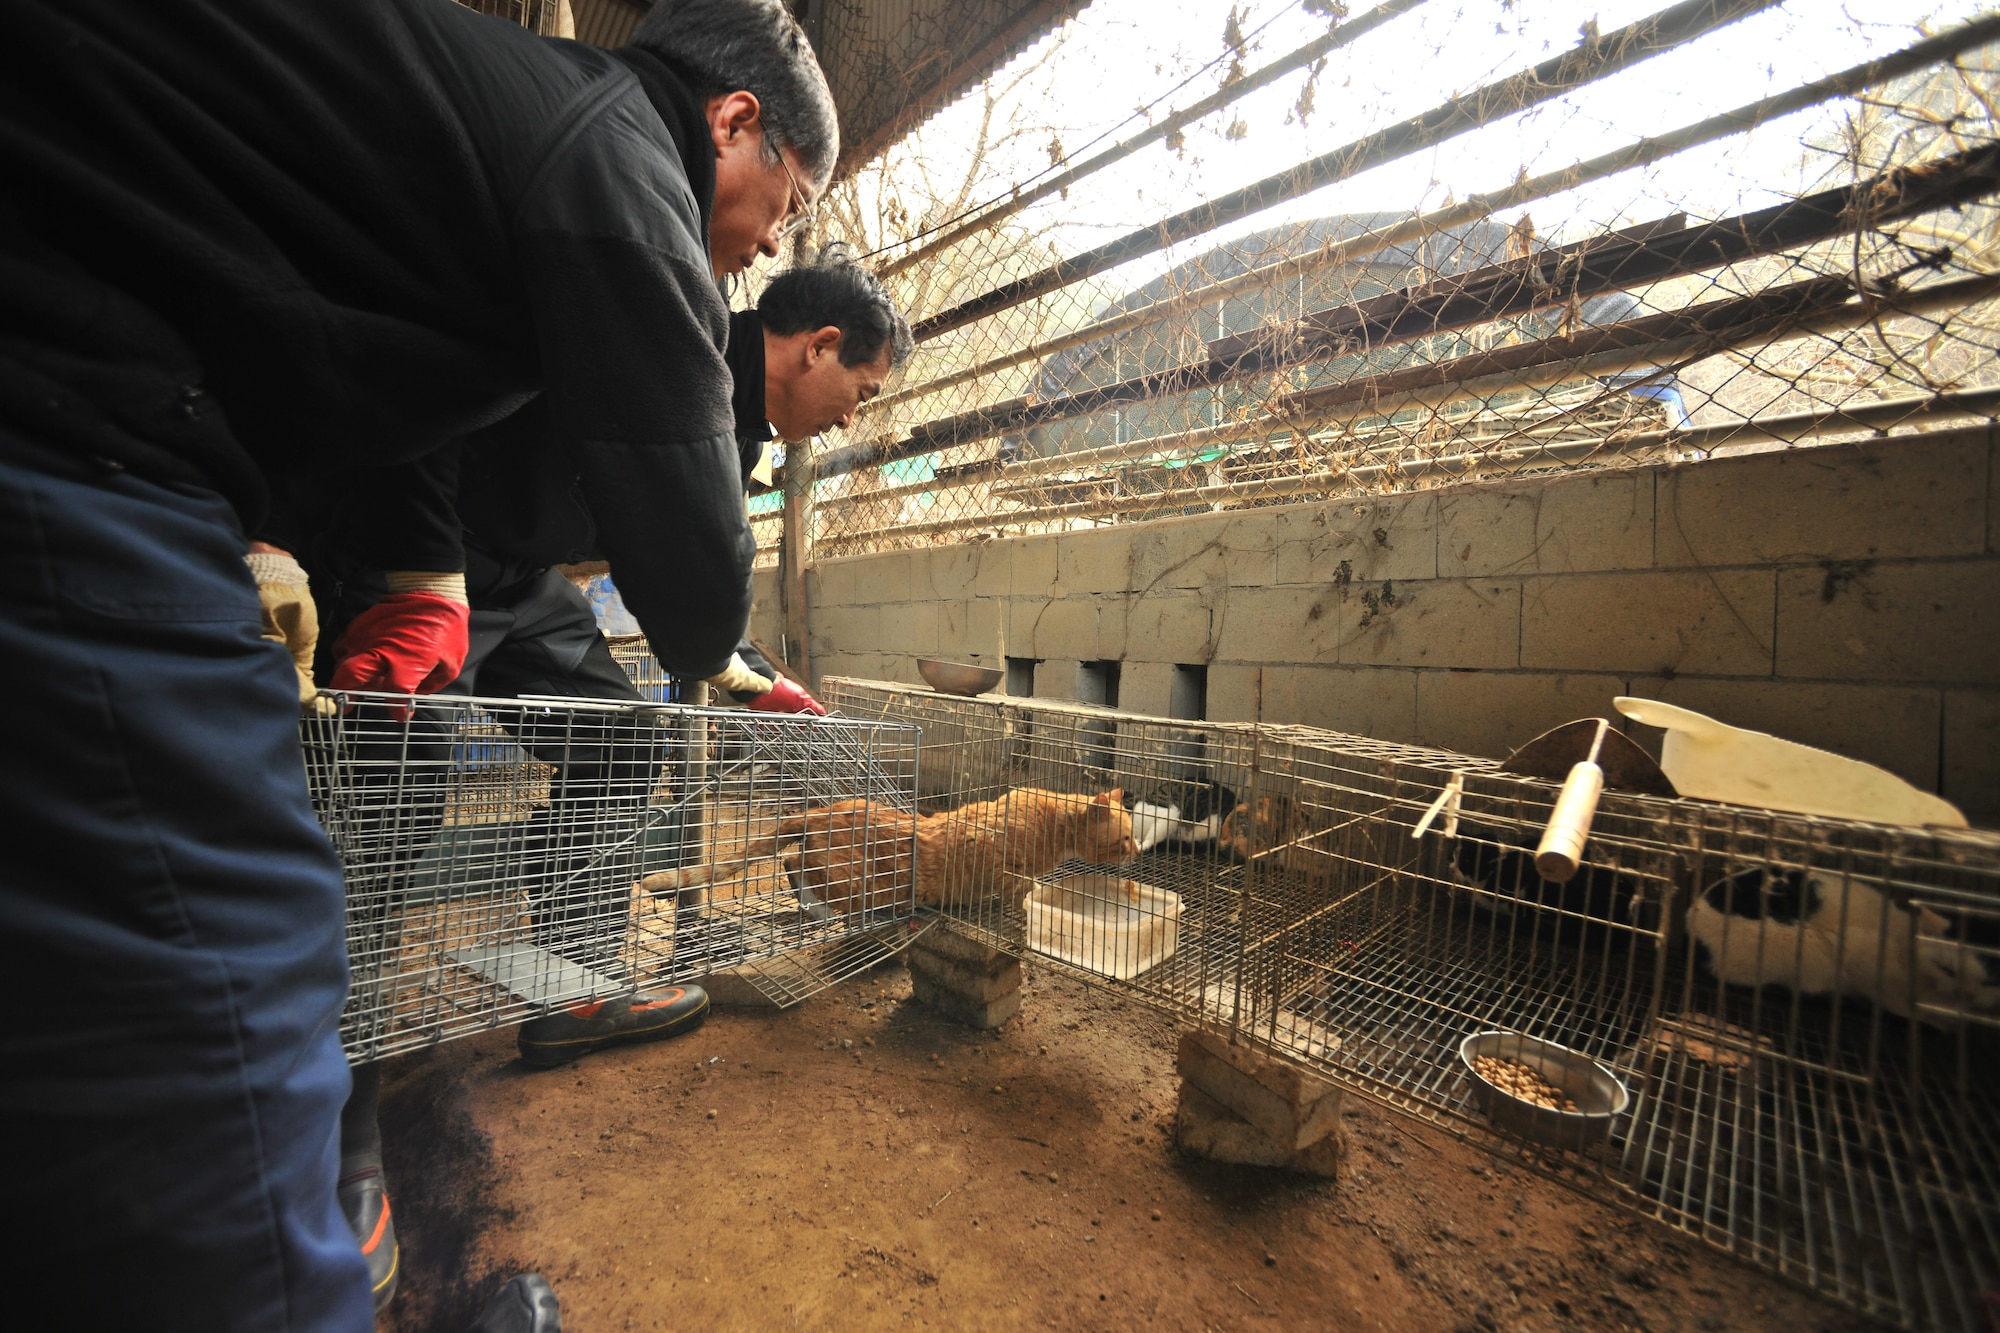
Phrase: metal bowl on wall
(957, 677)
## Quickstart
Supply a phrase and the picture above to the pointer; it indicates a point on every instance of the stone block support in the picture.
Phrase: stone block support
(963, 979)
(1246, 1106)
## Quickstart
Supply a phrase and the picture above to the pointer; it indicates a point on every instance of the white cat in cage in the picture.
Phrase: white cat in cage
(1822, 932)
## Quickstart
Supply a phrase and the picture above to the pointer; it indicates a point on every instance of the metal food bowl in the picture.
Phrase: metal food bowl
(1598, 1093)
(958, 677)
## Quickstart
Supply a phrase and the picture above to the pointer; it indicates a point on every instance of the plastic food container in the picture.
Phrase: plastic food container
(1597, 1092)
(1094, 922)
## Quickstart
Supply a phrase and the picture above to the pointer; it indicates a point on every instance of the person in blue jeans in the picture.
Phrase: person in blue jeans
(247, 243)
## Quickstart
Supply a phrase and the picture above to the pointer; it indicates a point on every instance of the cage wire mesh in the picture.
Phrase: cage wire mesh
(1806, 1012)
(1574, 283)
(503, 856)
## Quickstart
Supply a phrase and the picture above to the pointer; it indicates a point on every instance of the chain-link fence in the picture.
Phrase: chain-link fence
(1579, 283)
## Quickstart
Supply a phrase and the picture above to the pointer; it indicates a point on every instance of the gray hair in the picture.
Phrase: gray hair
(754, 46)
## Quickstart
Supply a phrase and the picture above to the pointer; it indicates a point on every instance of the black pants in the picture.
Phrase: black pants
(542, 639)
(536, 638)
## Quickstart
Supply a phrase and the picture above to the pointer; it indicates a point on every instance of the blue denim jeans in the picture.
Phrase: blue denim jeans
(170, 926)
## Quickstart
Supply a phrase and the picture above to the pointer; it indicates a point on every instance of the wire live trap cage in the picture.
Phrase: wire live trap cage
(1804, 1012)
(495, 849)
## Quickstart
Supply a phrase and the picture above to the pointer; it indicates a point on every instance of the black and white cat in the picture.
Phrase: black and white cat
(1185, 814)
(1820, 932)
(1596, 904)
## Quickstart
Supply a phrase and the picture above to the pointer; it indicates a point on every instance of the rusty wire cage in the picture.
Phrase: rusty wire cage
(497, 853)
(1804, 1012)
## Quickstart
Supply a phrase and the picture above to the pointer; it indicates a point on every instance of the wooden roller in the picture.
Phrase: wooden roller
(1561, 849)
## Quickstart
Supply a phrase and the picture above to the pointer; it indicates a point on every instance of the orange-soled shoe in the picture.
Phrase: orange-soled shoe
(557, 1038)
(364, 1202)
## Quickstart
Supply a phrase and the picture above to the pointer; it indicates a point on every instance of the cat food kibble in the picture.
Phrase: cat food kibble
(1523, 1081)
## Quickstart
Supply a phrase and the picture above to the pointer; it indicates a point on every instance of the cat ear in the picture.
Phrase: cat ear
(1116, 796)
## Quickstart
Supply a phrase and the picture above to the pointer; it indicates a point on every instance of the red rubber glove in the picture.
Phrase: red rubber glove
(407, 643)
(785, 697)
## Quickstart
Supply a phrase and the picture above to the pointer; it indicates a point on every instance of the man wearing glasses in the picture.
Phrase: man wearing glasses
(245, 244)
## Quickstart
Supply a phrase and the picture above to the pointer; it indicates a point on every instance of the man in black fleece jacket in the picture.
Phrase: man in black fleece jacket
(246, 242)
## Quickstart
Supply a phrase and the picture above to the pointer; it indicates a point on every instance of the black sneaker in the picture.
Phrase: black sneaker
(364, 1202)
(557, 1038)
(527, 1304)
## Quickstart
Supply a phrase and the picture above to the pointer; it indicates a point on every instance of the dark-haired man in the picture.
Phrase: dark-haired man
(824, 338)
(255, 241)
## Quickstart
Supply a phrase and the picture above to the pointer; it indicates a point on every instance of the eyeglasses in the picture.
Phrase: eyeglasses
(799, 212)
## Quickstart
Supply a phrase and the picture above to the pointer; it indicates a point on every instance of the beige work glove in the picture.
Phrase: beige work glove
(289, 616)
(739, 677)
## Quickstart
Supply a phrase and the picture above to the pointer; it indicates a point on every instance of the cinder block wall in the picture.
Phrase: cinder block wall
(1846, 596)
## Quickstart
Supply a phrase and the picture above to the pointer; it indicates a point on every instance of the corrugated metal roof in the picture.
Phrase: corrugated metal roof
(891, 63)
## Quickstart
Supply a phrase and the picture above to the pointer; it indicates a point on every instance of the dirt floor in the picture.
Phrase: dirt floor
(860, 1163)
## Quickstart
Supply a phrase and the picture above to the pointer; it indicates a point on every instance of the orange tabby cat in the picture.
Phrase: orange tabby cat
(856, 855)
(1276, 830)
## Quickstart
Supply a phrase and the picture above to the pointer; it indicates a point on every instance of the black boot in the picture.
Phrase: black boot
(557, 1038)
(527, 1304)
(362, 1189)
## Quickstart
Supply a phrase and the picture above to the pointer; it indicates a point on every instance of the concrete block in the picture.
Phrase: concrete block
(1716, 622)
(908, 627)
(1111, 617)
(1592, 521)
(1368, 701)
(1234, 692)
(1055, 678)
(1912, 496)
(846, 629)
(1439, 623)
(1093, 562)
(1019, 619)
(867, 666)
(970, 630)
(946, 943)
(994, 576)
(966, 981)
(1334, 544)
(1971, 767)
(1493, 713)
(1290, 1105)
(1146, 687)
(767, 620)
(1204, 1127)
(1067, 628)
(831, 664)
(952, 1005)
(1161, 627)
(1882, 724)
(864, 580)
(1200, 551)
(764, 588)
(1036, 564)
(1930, 622)
(945, 573)
(1277, 625)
